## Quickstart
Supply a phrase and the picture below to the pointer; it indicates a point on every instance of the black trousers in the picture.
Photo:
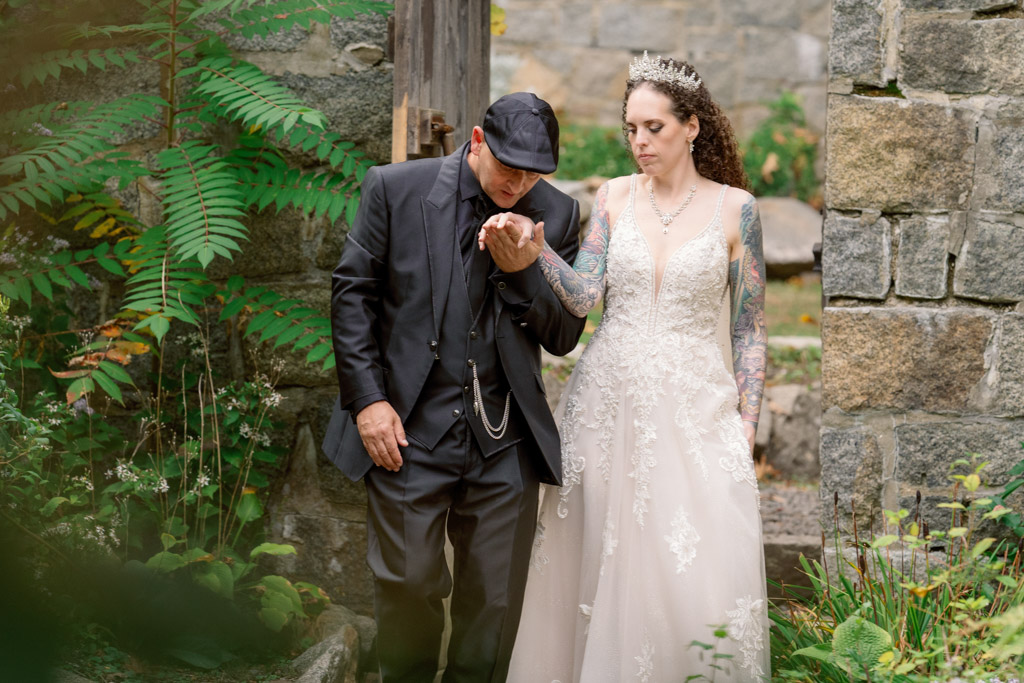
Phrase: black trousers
(489, 507)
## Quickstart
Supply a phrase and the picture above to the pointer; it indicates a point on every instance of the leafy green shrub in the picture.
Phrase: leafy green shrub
(953, 610)
(779, 156)
(587, 150)
(114, 454)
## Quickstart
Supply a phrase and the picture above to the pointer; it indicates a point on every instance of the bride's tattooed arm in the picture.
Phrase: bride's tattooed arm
(749, 335)
(581, 286)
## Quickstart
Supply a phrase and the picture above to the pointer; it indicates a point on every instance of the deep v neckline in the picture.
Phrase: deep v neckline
(656, 281)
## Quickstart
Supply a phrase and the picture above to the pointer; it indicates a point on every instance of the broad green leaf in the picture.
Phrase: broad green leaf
(42, 285)
(108, 385)
(249, 508)
(165, 562)
(52, 505)
(273, 549)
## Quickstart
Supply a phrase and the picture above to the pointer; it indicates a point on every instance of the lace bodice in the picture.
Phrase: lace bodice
(691, 290)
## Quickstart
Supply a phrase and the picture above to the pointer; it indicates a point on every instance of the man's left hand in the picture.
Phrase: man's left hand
(502, 234)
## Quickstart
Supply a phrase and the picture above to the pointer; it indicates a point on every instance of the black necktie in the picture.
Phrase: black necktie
(483, 208)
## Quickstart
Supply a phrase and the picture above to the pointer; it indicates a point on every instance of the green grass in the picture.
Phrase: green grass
(793, 307)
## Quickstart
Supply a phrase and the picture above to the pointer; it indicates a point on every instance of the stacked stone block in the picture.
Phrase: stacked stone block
(576, 54)
(923, 258)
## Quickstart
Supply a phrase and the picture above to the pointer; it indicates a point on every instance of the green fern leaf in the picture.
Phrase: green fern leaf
(201, 195)
(246, 94)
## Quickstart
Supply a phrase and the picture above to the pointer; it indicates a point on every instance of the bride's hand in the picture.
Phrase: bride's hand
(507, 237)
(750, 431)
(505, 228)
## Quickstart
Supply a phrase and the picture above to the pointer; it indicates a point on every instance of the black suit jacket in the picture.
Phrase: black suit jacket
(391, 287)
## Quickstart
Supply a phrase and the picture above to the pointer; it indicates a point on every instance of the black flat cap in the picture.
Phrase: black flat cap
(522, 132)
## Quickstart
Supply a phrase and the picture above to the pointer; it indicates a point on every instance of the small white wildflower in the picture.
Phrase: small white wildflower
(58, 244)
(94, 283)
(272, 400)
(8, 259)
(161, 486)
(125, 473)
(84, 481)
(109, 474)
(245, 430)
(40, 129)
(202, 480)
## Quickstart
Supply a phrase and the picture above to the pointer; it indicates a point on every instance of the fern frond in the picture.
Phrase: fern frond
(45, 188)
(162, 287)
(286, 321)
(50, 64)
(281, 16)
(244, 93)
(327, 146)
(87, 137)
(104, 214)
(316, 193)
(214, 6)
(266, 179)
(42, 272)
(87, 30)
(201, 198)
(25, 123)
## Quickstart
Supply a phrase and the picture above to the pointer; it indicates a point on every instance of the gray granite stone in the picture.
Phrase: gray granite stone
(894, 155)
(536, 25)
(856, 45)
(358, 106)
(288, 40)
(922, 263)
(577, 23)
(1010, 388)
(903, 358)
(998, 185)
(633, 26)
(851, 465)
(926, 451)
(362, 28)
(856, 255)
(759, 13)
(989, 266)
(963, 56)
(279, 243)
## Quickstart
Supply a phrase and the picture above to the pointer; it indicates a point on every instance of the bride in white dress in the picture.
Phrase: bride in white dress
(653, 541)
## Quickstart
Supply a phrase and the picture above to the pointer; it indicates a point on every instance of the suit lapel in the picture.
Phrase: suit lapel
(439, 225)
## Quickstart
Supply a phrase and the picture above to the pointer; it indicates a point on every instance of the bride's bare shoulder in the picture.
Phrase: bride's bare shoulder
(616, 196)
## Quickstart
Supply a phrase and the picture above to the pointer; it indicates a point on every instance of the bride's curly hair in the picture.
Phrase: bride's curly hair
(716, 153)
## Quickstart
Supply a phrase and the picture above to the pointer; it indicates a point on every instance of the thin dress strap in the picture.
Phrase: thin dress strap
(718, 208)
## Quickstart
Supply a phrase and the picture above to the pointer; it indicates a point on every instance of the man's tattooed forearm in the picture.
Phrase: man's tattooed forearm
(580, 287)
(749, 335)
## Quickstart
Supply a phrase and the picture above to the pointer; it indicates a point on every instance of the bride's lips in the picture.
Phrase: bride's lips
(644, 157)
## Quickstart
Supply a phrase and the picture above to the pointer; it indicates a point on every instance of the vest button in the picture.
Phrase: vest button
(501, 285)
(470, 362)
(473, 334)
(456, 412)
(433, 346)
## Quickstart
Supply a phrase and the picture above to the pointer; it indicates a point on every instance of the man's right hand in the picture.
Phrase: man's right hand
(382, 433)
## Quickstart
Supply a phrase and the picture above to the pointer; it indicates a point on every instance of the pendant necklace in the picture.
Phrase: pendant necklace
(667, 218)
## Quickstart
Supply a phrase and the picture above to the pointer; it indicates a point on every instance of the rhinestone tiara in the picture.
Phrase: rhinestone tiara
(647, 69)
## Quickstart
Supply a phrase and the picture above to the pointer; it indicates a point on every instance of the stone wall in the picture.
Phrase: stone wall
(576, 54)
(923, 330)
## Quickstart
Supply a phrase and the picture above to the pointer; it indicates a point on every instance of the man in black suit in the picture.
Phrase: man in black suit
(442, 409)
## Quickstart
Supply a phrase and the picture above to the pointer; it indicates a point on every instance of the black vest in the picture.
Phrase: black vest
(467, 339)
